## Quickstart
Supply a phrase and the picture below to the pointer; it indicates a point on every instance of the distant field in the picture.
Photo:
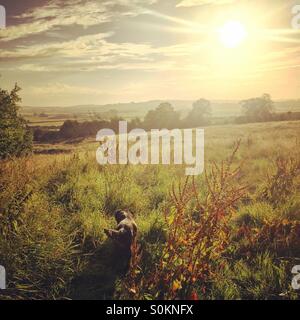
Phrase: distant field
(270, 135)
(51, 119)
(57, 120)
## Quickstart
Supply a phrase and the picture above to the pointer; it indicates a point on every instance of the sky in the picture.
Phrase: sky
(78, 52)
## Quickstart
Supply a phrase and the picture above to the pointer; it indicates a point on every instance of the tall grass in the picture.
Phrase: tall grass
(208, 239)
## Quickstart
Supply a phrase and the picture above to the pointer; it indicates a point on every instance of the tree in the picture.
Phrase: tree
(15, 136)
(199, 115)
(135, 123)
(258, 109)
(164, 116)
(69, 129)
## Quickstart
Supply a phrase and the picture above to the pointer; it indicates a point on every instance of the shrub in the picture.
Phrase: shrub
(15, 136)
(281, 185)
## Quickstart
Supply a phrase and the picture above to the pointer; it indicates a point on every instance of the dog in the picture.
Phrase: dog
(125, 233)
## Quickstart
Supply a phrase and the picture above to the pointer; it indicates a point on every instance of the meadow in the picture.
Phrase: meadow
(231, 233)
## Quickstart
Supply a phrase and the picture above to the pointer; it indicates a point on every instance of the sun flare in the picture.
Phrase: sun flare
(232, 34)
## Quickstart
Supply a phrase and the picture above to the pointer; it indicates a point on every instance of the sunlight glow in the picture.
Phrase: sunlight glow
(232, 34)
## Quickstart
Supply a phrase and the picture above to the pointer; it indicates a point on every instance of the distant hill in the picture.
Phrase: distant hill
(138, 109)
(131, 106)
(221, 108)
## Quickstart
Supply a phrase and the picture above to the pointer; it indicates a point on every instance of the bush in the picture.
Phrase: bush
(15, 136)
(281, 184)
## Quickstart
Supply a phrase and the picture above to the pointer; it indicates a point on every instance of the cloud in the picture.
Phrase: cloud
(57, 14)
(62, 88)
(95, 52)
(81, 45)
(194, 3)
(70, 94)
(91, 53)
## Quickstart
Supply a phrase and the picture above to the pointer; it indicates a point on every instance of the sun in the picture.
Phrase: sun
(232, 34)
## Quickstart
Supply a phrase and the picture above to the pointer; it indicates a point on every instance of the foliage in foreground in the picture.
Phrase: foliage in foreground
(208, 239)
(205, 257)
(15, 137)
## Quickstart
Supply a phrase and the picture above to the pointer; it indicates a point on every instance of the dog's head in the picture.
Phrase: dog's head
(120, 215)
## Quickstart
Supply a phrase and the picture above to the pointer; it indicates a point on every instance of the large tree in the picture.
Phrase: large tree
(258, 109)
(15, 136)
(164, 116)
(199, 115)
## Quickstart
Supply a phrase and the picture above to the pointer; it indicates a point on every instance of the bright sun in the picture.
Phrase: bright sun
(232, 34)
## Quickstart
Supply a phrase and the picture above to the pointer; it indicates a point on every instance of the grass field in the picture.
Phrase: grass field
(54, 208)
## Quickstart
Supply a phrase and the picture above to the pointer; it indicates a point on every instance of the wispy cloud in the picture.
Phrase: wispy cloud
(63, 88)
(96, 52)
(81, 45)
(194, 3)
(59, 13)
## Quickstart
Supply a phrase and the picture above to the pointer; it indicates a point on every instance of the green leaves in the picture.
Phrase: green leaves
(15, 136)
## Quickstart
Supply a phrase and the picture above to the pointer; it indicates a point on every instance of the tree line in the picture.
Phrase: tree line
(259, 109)
(164, 116)
(16, 137)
